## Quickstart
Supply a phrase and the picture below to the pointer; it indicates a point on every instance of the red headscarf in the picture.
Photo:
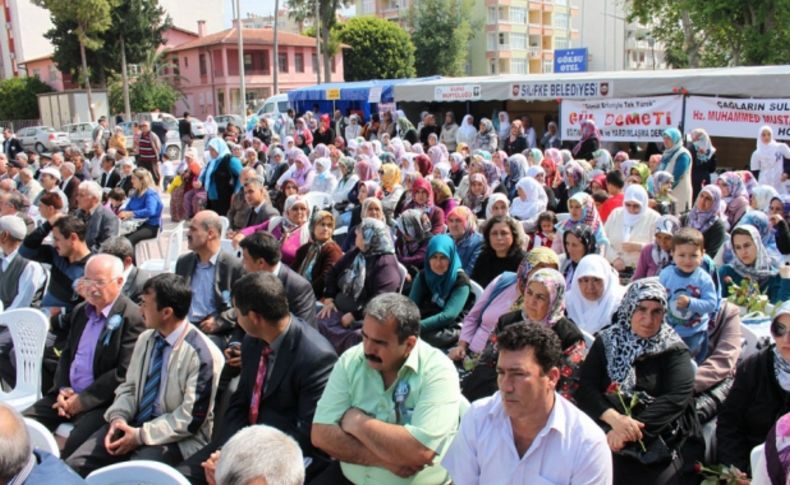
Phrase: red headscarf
(424, 164)
(423, 184)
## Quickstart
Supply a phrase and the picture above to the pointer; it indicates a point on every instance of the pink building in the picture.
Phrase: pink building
(209, 68)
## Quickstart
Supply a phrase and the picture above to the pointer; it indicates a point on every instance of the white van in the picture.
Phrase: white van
(274, 105)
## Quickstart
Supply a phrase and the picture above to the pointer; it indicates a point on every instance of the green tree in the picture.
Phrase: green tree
(152, 89)
(715, 33)
(377, 49)
(90, 19)
(301, 10)
(441, 31)
(18, 100)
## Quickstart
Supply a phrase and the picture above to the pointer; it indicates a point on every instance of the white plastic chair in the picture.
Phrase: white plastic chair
(318, 200)
(588, 338)
(226, 245)
(749, 339)
(477, 290)
(225, 226)
(137, 472)
(759, 470)
(41, 437)
(28, 328)
(170, 247)
(403, 274)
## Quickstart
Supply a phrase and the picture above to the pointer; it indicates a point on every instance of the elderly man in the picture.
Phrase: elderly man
(13, 203)
(70, 183)
(21, 286)
(522, 432)
(392, 404)
(284, 366)
(101, 338)
(50, 181)
(102, 223)
(211, 273)
(127, 172)
(28, 185)
(20, 463)
(163, 410)
(133, 277)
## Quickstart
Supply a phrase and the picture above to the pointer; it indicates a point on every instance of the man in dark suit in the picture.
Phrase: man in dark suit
(102, 334)
(109, 177)
(259, 207)
(134, 277)
(11, 145)
(69, 184)
(102, 223)
(261, 252)
(211, 274)
(285, 365)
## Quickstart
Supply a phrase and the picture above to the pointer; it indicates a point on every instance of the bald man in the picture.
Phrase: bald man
(99, 346)
(20, 463)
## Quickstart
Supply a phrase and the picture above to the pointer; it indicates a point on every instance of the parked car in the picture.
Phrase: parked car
(222, 122)
(171, 141)
(43, 139)
(81, 136)
(273, 106)
(198, 130)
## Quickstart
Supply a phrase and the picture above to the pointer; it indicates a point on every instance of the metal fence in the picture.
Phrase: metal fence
(17, 125)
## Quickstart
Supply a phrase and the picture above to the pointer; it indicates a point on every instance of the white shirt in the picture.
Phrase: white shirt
(570, 449)
(33, 277)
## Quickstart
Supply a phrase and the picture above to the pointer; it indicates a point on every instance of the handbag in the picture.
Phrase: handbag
(658, 452)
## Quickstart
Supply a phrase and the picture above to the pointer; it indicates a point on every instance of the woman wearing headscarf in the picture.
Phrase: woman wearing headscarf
(582, 212)
(405, 128)
(503, 295)
(457, 168)
(640, 355)
(642, 171)
(363, 273)
(594, 294)
(589, 142)
(303, 173)
(413, 232)
(577, 243)
(347, 183)
(576, 178)
(324, 133)
(760, 222)
(316, 258)
(441, 291)
(661, 185)
(475, 199)
(539, 174)
(387, 126)
(658, 254)
(369, 207)
(759, 396)
(502, 249)
(211, 127)
(497, 205)
(467, 133)
(288, 189)
(514, 141)
(220, 176)
(292, 229)
(486, 138)
(779, 218)
(530, 201)
(502, 127)
(602, 160)
(516, 168)
(188, 170)
(761, 198)
(706, 218)
(768, 159)
(677, 161)
(630, 228)
(443, 196)
(462, 227)
(735, 196)
(703, 157)
(551, 139)
(422, 199)
(753, 261)
(541, 302)
(323, 181)
(534, 157)
(353, 129)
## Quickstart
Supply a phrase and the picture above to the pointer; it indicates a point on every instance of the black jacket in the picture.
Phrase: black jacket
(513, 147)
(110, 361)
(301, 299)
(714, 235)
(12, 147)
(700, 171)
(109, 181)
(102, 225)
(489, 266)
(587, 149)
(755, 403)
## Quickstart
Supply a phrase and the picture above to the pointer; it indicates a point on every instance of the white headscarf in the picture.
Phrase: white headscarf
(588, 315)
(504, 125)
(634, 193)
(535, 203)
(492, 200)
(467, 131)
(767, 150)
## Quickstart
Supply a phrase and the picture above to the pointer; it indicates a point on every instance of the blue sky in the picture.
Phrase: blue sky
(259, 7)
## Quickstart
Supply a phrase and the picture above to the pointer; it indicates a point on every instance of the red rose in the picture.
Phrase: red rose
(566, 371)
(698, 467)
(614, 388)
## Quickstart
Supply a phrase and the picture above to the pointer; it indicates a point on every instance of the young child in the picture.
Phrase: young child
(168, 170)
(115, 200)
(657, 255)
(692, 295)
(544, 236)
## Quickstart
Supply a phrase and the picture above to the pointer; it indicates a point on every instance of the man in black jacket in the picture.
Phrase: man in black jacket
(185, 131)
(11, 145)
(102, 334)
(102, 223)
(285, 365)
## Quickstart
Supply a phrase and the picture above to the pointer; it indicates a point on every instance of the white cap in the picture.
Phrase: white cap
(13, 225)
(51, 171)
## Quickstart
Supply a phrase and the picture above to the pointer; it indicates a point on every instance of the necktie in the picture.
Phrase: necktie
(104, 179)
(260, 378)
(151, 389)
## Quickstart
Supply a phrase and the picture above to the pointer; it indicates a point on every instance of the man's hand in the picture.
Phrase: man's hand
(121, 438)
(327, 309)
(73, 405)
(237, 239)
(209, 325)
(60, 403)
(233, 356)
(210, 468)
(683, 302)
(457, 353)
(124, 215)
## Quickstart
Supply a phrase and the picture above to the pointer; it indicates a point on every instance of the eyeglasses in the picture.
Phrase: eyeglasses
(778, 330)
(94, 283)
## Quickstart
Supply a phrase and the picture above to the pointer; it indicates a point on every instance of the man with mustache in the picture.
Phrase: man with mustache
(392, 404)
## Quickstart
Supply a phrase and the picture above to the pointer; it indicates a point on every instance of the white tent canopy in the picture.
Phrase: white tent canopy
(747, 82)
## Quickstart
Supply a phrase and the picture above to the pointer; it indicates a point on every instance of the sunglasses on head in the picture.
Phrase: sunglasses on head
(778, 330)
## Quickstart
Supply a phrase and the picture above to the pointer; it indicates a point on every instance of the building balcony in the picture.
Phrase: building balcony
(535, 52)
(535, 5)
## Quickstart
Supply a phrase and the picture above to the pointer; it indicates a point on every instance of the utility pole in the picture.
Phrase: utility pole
(243, 89)
(127, 107)
(317, 42)
(276, 47)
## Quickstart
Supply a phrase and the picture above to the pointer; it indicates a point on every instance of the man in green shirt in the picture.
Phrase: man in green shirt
(392, 404)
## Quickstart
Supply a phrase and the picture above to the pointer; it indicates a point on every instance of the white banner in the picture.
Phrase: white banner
(636, 119)
(738, 118)
(448, 94)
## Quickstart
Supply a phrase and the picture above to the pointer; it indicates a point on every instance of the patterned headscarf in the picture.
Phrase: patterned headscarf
(589, 218)
(589, 130)
(622, 346)
(554, 283)
(735, 184)
(702, 145)
(550, 162)
(603, 160)
(290, 202)
(415, 224)
(666, 224)
(781, 366)
(517, 166)
(575, 172)
(703, 220)
(541, 255)
(763, 268)
(472, 201)
(660, 179)
(378, 240)
(762, 195)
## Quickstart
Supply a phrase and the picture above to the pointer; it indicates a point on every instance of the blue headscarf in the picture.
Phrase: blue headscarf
(674, 135)
(442, 285)
(206, 176)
